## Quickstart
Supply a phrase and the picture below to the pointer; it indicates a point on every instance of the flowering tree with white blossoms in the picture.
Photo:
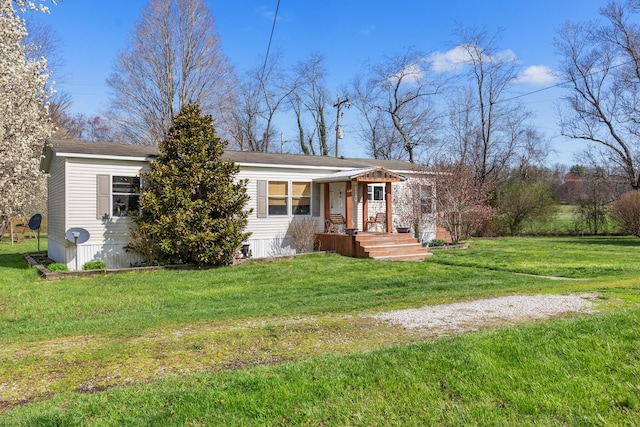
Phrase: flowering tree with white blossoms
(23, 111)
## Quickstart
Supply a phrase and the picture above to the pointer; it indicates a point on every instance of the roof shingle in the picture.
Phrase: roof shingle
(79, 147)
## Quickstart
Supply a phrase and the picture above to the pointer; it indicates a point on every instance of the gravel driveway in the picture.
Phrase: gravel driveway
(472, 315)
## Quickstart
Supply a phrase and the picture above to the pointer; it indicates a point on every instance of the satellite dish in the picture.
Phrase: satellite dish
(35, 221)
(77, 235)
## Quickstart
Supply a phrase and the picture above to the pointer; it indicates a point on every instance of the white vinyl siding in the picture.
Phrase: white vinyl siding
(270, 233)
(57, 200)
(107, 236)
(56, 208)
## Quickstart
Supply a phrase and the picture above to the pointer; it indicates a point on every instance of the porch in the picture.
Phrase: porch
(375, 245)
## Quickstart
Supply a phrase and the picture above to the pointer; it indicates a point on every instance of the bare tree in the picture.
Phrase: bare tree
(462, 135)
(311, 97)
(488, 130)
(263, 93)
(305, 136)
(375, 128)
(94, 128)
(42, 41)
(246, 115)
(601, 64)
(59, 113)
(401, 88)
(532, 154)
(174, 58)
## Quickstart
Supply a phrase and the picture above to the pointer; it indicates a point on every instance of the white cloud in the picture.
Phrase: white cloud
(410, 74)
(507, 56)
(537, 75)
(457, 58)
(452, 61)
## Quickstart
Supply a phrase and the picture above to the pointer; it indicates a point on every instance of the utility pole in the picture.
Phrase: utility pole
(338, 105)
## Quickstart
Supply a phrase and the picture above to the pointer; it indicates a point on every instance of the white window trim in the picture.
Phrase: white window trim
(371, 192)
(289, 199)
(112, 193)
(310, 196)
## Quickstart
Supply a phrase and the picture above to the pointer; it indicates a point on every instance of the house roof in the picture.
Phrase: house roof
(108, 150)
(375, 174)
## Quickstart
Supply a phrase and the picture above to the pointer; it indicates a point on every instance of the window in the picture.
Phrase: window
(284, 198)
(301, 198)
(375, 193)
(426, 199)
(278, 198)
(125, 194)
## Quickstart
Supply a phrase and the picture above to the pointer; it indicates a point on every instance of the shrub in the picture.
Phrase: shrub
(141, 242)
(56, 267)
(437, 242)
(303, 232)
(626, 212)
(519, 202)
(95, 265)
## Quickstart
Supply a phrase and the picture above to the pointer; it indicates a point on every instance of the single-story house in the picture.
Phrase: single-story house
(94, 186)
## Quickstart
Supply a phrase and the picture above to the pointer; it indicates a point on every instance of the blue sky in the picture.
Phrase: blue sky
(348, 32)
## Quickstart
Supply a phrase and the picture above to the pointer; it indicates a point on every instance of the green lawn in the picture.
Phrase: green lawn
(178, 347)
(564, 223)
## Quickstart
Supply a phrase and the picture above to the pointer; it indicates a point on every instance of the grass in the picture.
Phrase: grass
(595, 257)
(565, 223)
(179, 346)
(131, 304)
(569, 372)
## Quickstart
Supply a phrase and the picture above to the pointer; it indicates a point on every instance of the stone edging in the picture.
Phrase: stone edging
(44, 272)
(458, 246)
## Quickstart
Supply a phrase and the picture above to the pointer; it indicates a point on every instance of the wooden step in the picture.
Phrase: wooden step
(390, 251)
(396, 246)
(365, 239)
(404, 257)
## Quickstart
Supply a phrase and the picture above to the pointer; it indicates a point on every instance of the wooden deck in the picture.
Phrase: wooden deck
(381, 246)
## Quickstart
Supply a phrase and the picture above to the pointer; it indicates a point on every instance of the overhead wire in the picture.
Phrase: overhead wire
(273, 28)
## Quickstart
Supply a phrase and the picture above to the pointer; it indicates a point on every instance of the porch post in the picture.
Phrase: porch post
(364, 188)
(389, 206)
(349, 211)
(327, 204)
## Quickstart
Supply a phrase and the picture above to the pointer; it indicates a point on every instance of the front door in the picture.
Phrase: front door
(337, 197)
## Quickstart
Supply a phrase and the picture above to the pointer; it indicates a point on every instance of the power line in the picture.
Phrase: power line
(273, 27)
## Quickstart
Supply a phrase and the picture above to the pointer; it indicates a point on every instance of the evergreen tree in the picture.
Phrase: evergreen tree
(192, 206)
